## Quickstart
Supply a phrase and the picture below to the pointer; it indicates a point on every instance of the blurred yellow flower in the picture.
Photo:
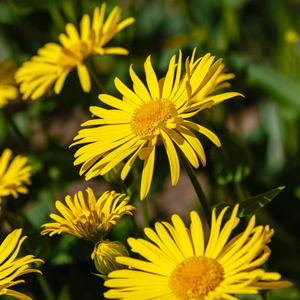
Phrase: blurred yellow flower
(134, 125)
(13, 175)
(90, 220)
(180, 266)
(7, 89)
(12, 267)
(291, 36)
(54, 62)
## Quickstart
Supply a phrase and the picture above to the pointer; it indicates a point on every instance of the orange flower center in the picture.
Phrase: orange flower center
(150, 116)
(195, 277)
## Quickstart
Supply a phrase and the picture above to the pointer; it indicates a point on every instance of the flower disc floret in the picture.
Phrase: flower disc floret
(195, 277)
(150, 115)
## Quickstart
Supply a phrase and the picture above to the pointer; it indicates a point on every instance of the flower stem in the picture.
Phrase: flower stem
(18, 133)
(95, 78)
(145, 213)
(196, 184)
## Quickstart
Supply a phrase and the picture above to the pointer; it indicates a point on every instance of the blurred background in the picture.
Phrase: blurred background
(259, 42)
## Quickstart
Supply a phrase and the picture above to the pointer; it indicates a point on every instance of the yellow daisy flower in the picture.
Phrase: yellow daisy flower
(13, 175)
(7, 89)
(134, 125)
(12, 267)
(91, 219)
(180, 266)
(54, 62)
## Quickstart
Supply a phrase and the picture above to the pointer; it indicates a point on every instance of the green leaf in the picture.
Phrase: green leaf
(251, 205)
(283, 88)
(104, 277)
(65, 293)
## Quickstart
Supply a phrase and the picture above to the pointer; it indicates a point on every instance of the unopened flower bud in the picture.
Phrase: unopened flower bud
(114, 175)
(104, 256)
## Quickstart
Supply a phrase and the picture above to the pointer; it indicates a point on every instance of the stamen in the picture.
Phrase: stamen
(151, 116)
(195, 277)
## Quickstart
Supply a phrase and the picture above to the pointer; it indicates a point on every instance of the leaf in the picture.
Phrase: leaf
(283, 88)
(104, 277)
(251, 205)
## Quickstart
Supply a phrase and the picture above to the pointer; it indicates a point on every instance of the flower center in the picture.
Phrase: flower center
(70, 56)
(151, 116)
(195, 277)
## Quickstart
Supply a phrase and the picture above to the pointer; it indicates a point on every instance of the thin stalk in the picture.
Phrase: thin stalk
(239, 191)
(95, 78)
(263, 295)
(196, 184)
(57, 18)
(145, 215)
(18, 133)
(45, 287)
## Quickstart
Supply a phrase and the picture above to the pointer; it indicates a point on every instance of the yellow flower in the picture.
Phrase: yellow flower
(54, 62)
(12, 267)
(7, 89)
(135, 124)
(104, 256)
(91, 219)
(13, 175)
(180, 266)
(291, 36)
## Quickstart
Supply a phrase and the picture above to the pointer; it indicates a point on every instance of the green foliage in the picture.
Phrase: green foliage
(251, 205)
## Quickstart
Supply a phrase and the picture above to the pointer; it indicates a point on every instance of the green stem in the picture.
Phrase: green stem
(57, 18)
(196, 184)
(18, 133)
(95, 78)
(146, 222)
(239, 191)
(45, 287)
(264, 295)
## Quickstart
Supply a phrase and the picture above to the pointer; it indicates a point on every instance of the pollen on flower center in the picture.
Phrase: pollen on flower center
(195, 277)
(150, 115)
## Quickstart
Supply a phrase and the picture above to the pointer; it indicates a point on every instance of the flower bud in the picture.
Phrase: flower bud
(114, 175)
(104, 256)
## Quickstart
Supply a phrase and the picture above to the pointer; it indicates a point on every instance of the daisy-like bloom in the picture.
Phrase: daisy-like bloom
(11, 267)
(13, 174)
(54, 62)
(91, 219)
(180, 266)
(7, 89)
(133, 127)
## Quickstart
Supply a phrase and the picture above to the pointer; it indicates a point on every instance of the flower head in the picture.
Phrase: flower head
(91, 219)
(104, 256)
(13, 175)
(7, 89)
(180, 266)
(12, 267)
(54, 62)
(133, 127)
